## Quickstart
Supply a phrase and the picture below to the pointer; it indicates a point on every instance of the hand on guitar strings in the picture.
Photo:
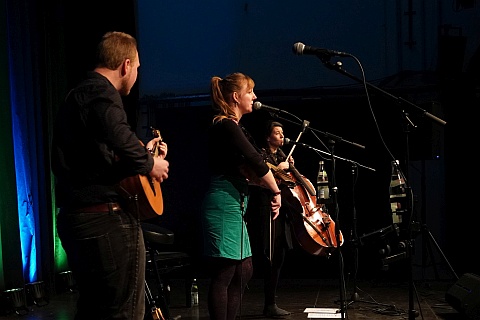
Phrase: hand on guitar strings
(160, 169)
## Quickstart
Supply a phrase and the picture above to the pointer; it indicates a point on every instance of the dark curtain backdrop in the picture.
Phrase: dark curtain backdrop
(11, 263)
(48, 46)
(31, 45)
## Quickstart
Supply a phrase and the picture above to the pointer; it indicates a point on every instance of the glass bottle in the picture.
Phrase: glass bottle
(398, 195)
(323, 192)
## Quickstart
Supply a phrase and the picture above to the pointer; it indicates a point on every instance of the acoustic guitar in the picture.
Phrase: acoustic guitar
(144, 192)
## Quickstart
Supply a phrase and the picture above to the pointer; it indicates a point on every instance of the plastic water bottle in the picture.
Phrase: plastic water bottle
(194, 293)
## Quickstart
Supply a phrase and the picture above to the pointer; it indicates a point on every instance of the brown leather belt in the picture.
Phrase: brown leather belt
(101, 207)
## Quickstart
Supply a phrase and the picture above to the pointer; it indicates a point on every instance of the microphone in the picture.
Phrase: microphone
(299, 49)
(258, 105)
(289, 141)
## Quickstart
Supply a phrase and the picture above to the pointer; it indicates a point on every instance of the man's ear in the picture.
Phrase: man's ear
(125, 66)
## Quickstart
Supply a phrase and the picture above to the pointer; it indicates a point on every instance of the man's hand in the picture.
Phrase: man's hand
(160, 169)
(161, 149)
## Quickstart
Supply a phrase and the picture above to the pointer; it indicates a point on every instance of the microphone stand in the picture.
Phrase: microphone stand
(334, 189)
(413, 227)
(356, 240)
(338, 67)
(356, 243)
(334, 201)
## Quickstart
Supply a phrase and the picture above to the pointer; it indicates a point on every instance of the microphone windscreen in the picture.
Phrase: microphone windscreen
(286, 140)
(298, 48)
(257, 105)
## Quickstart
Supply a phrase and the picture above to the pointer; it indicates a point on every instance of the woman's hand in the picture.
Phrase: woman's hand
(276, 204)
(291, 161)
(284, 165)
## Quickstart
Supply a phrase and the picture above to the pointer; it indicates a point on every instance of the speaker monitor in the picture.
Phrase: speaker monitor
(464, 295)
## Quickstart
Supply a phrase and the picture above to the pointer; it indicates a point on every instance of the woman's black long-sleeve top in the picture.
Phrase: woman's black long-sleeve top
(229, 149)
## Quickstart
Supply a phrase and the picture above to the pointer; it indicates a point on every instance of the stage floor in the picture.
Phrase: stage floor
(376, 300)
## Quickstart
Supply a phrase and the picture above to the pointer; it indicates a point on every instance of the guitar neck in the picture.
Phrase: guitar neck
(156, 134)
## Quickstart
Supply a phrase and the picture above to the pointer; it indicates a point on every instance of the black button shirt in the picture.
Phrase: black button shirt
(93, 146)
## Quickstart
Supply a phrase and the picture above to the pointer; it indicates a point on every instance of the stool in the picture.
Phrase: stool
(160, 261)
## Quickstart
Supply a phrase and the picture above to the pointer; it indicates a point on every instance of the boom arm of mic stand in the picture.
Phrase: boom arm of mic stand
(427, 114)
(276, 115)
(337, 157)
(338, 67)
(337, 138)
(305, 124)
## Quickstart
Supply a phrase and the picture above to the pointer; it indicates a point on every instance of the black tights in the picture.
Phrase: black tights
(228, 281)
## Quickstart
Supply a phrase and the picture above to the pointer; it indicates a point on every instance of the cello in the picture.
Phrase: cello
(313, 228)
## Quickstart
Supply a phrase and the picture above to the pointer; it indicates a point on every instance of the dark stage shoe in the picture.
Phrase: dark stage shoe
(272, 311)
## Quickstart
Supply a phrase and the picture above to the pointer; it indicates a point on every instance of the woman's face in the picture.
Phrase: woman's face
(276, 137)
(245, 100)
